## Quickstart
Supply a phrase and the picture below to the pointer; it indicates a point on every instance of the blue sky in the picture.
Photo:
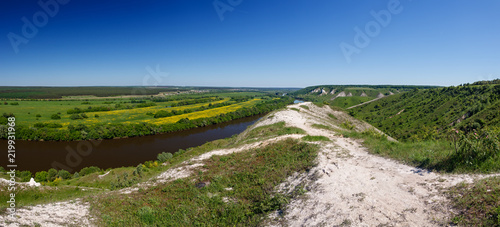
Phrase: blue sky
(259, 43)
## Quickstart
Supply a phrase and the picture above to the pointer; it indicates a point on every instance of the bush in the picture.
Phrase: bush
(138, 170)
(164, 156)
(55, 117)
(474, 149)
(64, 174)
(146, 214)
(179, 152)
(163, 113)
(25, 176)
(7, 115)
(89, 170)
(41, 176)
(122, 181)
(75, 117)
(38, 115)
(51, 175)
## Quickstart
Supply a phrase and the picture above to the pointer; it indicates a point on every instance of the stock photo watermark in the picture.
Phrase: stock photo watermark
(221, 7)
(12, 166)
(372, 29)
(38, 20)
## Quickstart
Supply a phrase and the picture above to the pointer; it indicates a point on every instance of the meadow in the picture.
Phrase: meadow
(73, 117)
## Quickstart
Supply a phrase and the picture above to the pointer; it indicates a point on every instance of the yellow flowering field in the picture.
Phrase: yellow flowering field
(135, 115)
(205, 113)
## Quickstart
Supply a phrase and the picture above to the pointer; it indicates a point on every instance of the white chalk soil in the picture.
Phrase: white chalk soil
(348, 187)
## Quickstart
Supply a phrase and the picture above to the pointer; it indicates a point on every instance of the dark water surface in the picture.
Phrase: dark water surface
(74, 155)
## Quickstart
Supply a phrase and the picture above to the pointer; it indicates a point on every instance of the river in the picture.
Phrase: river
(74, 155)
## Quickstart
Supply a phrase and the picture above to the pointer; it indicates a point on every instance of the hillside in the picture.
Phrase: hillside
(300, 165)
(349, 95)
(423, 114)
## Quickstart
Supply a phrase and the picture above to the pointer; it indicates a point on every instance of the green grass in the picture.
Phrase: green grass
(305, 107)
(345, 102)
(320, 126)
(478, 204)
(431, 113)
(241, 191)
(277, 129)
(295, 109)
(436, 155)
(29, 196)
(315, 138)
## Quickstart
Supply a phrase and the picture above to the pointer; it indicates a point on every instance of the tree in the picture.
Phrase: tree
(64, 174)
(41, 176)
(51, 174)
(55, 117)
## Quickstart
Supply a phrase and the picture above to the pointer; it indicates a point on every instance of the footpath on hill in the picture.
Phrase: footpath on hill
(348, 186)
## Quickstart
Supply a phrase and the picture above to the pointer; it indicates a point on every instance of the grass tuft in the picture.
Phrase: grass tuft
(315, 138)
(478, 204)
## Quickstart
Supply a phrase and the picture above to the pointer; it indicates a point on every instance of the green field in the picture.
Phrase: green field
(92, 117)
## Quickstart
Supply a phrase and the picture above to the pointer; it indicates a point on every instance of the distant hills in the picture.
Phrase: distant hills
(422, 114)
(415, 112)
(349, 95)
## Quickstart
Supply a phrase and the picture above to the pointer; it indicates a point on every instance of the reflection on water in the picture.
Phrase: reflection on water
(37, 156)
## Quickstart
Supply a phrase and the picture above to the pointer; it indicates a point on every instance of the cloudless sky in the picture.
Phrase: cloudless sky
(256, 43)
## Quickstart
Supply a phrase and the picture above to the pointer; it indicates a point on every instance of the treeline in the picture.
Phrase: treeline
(109, 131)
(430, 113)
(59, 92)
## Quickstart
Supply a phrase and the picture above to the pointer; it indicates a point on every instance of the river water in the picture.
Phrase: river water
(74, 155)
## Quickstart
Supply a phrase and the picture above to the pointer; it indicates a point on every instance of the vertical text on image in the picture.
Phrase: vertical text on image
(11, 156)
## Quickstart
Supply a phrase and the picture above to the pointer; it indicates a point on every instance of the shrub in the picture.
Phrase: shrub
(179, 152)
(57, 181)
(146, 214)
(164, 156)
(7, 115)
(138, 170)
(89, 170)
(55, 117)
(25, 176)
(75, 117)
(122, 181)
(51, 175)
(473, 149)
(38, 115)
(41, 176)
(64, 174)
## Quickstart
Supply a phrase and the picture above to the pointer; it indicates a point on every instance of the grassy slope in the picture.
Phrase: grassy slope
(371, 91)
(246, 179)
(425, 114)
(252, 176)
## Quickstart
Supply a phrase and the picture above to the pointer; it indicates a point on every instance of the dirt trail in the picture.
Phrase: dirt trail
(348, 186)
(352, 187)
